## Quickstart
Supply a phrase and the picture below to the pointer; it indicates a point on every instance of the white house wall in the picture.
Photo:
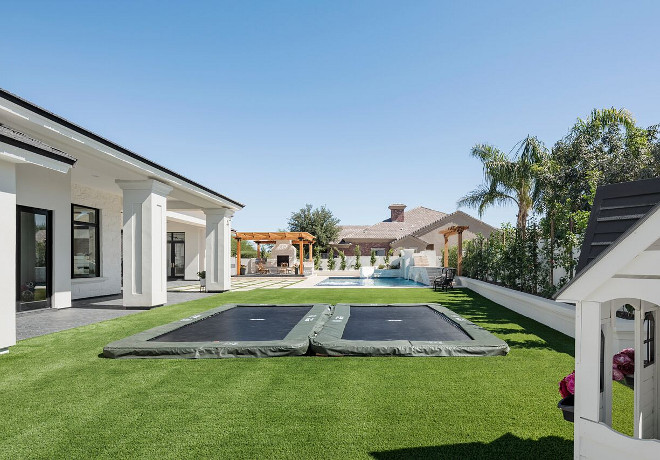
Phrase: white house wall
(109, 281)
(8, 244)
(195, 247)
(42, 188)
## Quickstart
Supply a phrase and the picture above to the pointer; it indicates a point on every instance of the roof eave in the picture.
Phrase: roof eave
(80, 130)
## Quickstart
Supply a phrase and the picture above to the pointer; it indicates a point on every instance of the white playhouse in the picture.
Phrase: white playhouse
(619, 265)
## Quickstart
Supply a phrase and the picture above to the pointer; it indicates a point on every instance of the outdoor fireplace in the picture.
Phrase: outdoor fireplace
(283, 252)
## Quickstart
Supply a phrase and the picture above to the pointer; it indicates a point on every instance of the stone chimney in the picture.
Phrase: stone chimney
(397, 212)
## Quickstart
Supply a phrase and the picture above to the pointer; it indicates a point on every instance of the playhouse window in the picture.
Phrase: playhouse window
(649, 339)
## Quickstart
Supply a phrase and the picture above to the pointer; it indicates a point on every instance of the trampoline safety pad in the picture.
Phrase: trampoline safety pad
(229, 331)
(403, 330)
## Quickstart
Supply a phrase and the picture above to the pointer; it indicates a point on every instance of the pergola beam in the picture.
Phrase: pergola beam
(447, 232)
(273, 236)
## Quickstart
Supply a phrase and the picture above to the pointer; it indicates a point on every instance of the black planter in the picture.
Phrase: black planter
(625, 315)
(567, 407)
(243, 270)
(630, 380)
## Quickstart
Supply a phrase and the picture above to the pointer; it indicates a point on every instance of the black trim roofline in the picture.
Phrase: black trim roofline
(80, 130)
(37, 150)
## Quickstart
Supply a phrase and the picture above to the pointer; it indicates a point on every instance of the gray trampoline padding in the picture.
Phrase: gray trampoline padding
(403, 330)
(229, 331)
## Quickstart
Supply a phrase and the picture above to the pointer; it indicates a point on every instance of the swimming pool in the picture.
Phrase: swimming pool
(341, 281)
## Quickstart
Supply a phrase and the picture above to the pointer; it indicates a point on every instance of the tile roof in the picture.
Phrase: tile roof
(11, 133)
(412, 220)
(482, 227)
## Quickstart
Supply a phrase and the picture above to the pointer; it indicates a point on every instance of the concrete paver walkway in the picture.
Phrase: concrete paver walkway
(89, 311)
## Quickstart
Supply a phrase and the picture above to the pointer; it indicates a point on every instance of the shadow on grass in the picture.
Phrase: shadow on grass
(507, 446)
(487, 313)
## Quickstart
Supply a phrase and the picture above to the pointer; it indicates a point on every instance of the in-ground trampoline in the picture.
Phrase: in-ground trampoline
(403, 330)
(229, 331)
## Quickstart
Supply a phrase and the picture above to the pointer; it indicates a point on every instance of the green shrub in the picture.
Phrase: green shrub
(373, 258)
(342, 260)
(331, 259)
(317, 258)
(389, 253)
(358, 264)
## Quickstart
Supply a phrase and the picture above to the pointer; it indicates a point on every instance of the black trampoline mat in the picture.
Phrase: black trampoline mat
(401, 323)
(240, 324)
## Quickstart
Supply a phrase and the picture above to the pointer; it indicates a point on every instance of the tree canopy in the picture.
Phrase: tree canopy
(320, 222)
(509, 180)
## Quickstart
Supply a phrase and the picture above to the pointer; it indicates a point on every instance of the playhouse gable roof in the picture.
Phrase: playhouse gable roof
(622, 242)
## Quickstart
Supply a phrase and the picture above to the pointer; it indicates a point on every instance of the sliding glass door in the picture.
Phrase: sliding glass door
(176, 255)
(33, 258)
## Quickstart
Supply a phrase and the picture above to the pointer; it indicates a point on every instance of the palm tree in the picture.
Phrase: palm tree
(509, 180)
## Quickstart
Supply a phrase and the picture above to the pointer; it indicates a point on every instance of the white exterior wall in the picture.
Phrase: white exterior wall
(109, 281)
(8, 245)
(195, 247)
(43, 188)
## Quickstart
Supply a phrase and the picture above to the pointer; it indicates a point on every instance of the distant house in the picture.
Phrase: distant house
(417, 229)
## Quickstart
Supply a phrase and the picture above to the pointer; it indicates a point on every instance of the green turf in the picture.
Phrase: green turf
(59, 399)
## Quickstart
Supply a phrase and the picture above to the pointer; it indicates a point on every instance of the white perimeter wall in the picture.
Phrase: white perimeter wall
(109, 281)
(195, 247)
(43, 188)
(557, 315)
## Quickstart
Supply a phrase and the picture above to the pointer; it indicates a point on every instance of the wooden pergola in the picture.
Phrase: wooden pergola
(270, 238)
(447, 232)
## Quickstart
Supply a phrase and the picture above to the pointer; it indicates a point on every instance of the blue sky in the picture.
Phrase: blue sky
(354, 105)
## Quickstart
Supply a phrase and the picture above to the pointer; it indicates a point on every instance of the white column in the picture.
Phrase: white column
(218, 249)
(587, 367)
(145, 243)
(8, 247)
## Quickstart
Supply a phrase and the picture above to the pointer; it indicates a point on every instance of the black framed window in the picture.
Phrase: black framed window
(649, 339)
(85, 242)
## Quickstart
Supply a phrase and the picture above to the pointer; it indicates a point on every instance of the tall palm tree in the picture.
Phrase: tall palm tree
(509, 180)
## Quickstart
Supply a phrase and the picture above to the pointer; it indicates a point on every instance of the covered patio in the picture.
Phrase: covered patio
(287, 241)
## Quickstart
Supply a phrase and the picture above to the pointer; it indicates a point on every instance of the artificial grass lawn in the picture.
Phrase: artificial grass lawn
(59, 399)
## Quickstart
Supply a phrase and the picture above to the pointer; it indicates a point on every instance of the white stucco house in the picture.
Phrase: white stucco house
(619, 265)
(85, 217)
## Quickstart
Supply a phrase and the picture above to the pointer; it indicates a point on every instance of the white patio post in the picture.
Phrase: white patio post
(145, 226)
(587, 366)
(218, 249)
(8, 247)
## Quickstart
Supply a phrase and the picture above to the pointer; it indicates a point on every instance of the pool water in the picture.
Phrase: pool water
(340, 281)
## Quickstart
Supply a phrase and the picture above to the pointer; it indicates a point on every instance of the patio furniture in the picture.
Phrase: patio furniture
(284, 268)
(445, 280)
(261, 269)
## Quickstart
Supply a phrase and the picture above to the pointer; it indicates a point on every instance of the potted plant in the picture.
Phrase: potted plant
(626, 312)
(567, 392)
(623, 366)
(243, 269)
(202, 279)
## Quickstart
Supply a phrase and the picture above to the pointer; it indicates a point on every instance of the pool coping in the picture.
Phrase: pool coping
(329, 340)
(295, 343)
